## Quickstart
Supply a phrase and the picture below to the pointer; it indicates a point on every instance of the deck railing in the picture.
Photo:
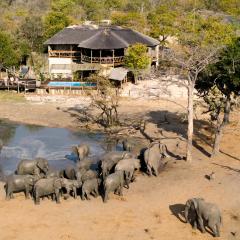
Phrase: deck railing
(86, 59)
(103, 60)
(64, 54)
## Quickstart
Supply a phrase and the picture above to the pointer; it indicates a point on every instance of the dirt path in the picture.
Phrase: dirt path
(148, 210)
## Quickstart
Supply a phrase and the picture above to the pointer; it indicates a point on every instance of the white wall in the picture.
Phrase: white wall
(60, 61)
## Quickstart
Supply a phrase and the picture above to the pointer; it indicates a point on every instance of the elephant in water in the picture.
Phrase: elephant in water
(81, 151)
(204, 212)
(38, 167)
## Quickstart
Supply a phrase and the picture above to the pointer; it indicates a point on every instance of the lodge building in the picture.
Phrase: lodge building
(88, 48)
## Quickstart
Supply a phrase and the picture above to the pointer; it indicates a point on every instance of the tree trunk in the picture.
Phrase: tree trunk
(220, 127)
(190, 121)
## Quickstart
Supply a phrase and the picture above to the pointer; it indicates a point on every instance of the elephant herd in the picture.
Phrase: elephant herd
(115, 170)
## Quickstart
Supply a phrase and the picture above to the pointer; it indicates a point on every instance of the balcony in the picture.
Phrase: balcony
(64, 54)
(119, 60)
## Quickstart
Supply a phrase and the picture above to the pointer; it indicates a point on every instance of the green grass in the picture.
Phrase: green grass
(11, 96)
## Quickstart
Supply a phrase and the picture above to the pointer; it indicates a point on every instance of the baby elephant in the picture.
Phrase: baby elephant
(90, 186)
(205, 211)
(71, 186)
(113, 183)
(18, 183)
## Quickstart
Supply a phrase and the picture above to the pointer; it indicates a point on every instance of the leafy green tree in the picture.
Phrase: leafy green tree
(8, 56)
(58, 18)
(55, 22)
(31, 30)
(219, 85)
(141, 6)
(133, 20)
(137, 59)
(114, 4)
(94, 9)
(162, 23)
(230, 6)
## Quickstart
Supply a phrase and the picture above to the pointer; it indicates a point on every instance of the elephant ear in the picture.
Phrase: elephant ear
(41, 163)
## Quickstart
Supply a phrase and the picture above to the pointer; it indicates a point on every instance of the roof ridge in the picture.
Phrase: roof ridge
(119, 38)
(89, 39)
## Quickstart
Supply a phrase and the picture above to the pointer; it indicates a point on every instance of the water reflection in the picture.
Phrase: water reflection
(54, 144)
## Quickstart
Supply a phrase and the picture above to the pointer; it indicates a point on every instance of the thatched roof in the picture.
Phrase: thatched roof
(108, 37)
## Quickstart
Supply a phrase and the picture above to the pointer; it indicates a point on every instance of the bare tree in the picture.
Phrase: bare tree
(106, 99)
(191, 61)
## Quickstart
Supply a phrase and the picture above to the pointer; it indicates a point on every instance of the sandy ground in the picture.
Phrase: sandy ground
(151, 208)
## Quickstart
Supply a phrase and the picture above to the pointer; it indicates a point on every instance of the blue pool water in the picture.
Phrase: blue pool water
(72, 84)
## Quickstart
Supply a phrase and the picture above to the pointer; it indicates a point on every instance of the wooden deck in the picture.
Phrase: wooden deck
(19, 86)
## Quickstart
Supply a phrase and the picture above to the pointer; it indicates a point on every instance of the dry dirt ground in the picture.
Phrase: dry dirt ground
(152, 207)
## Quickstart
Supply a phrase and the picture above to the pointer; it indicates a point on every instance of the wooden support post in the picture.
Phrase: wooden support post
(100, 56)
(91, 55)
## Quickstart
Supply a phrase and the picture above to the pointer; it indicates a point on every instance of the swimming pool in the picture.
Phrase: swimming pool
(71, 84)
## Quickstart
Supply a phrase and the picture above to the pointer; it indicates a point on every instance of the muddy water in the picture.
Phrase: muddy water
(28, 142)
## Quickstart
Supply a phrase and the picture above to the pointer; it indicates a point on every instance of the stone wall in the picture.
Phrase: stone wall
(165, 87)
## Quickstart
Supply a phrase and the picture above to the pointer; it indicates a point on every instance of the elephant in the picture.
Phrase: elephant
(127, 146)
(90, 174)
(69, 172)
(54, 174)
(86, 164)
(47, 187)
(38, 167)
(110, 159)
(113, 183)
(128, 166)
(152, 158)
(90, 186)
(19, 183)
(204, 212)
(80, 173)
(81, 151)
(71, 186)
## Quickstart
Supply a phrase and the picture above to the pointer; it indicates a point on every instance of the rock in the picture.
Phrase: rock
(211, 176)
